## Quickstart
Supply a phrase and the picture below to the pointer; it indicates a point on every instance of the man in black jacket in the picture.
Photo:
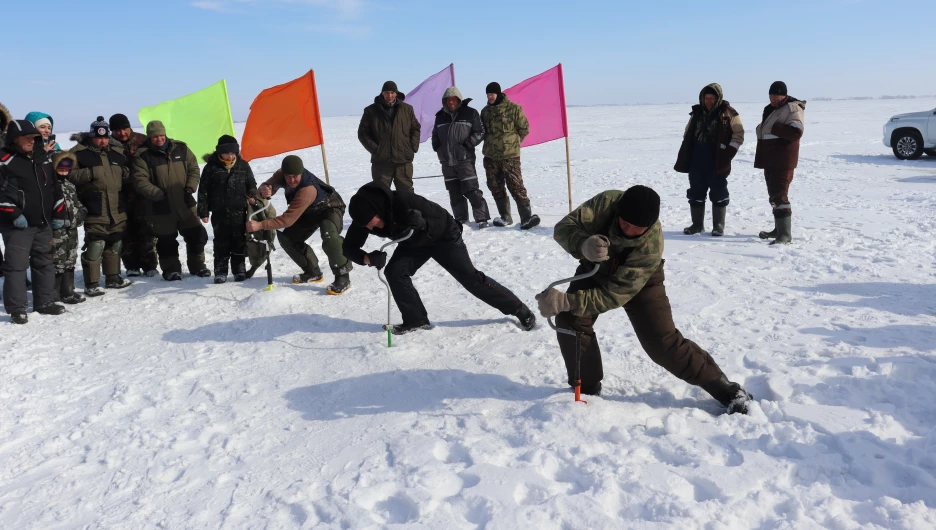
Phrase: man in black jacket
(458, 129)
(389, 130)
(375, 209)
(31, 206)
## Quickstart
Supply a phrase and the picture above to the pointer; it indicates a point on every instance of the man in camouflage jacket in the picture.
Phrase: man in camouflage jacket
(139, 244)
(621, 231)
(505, 127)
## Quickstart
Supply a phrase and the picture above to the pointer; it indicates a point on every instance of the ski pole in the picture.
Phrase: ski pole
(577, 335)
(269, 263)
(389, 327)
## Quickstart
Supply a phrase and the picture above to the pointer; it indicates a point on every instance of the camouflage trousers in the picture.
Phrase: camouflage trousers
(505, 173)
(64, 249)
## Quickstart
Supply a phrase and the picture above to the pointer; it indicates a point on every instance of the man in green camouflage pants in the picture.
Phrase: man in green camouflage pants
(621, 231)
(505, 127)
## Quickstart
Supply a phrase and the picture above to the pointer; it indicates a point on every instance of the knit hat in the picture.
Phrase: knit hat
(492, 88)
(38, 118)
(228, 144)
(369, 201)
(777, 88)
(292, 165)
(99, 128)
(639, 206)
(155, 128)
(389, 86)
(118, 122)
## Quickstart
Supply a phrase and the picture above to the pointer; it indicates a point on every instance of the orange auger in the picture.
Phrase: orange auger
(577, 335)
(388, 326)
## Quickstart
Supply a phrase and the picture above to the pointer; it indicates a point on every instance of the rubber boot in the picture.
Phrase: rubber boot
(57, 288)
(503, 209)
(718, 220)
(769, 235)
(527, 218)
(68, 294)
(697, 210)
(731, 395)
(784, 228)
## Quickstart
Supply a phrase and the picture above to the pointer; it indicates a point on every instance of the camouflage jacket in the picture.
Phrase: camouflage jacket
(75, 210)
(631, 263)
(506, 126)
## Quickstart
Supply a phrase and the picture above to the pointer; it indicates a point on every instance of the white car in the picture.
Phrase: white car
(911, 135)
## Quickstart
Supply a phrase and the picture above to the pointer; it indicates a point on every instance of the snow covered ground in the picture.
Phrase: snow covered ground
(189, 405)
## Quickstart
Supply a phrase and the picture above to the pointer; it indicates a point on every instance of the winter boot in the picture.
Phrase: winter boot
(503, 208)
(219, 279)
(115, 281)
(784, 228)
(203, 272)
(527, 218)
(172, 276)
(526, 317)
(482, 225)
(591, 390)
(698, 217)
(220, 270)
(239, 267)
(769, 235)
(731, 395)
(19, 318)
(57, 287)
(311, 276)
(342, 280)
(403, 329)
(68, 294)
(134, 272)
(718, 220)
(93, 290)
(152, 272)
(51, 309)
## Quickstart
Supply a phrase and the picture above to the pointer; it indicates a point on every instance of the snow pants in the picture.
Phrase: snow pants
(29, 247)
(230, 243)
(778, 185)
(292, 240)
(451, 254)
(399, 174)
(102, 247)
(652, 318)
(167, 248)
(139, 243)
(461, 181)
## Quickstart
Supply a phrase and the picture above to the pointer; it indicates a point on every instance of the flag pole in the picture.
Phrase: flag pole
(568, 156)
(569, 173)
(325, 163)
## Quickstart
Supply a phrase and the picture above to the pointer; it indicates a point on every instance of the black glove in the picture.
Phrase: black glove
(415, 220)
(377, 259)
(189, 198)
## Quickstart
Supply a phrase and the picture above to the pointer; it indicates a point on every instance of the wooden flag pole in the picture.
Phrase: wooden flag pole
(325, 162)
(569, 172)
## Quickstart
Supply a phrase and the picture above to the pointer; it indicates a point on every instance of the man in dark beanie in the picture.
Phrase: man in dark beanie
(227, 184)
(778, 141)
(505, 127)
(375, 209)
(100, 177)
(312, 205)
(710, 142)
(621, 231)
(31, 207)
(390, 131)
(139, 246)
(165, 176)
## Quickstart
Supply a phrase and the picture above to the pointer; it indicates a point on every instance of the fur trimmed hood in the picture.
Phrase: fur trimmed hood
(61, 155)
(5, 118)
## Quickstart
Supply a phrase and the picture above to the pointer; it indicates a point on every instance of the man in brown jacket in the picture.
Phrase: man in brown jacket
(312, 205)
(778, 141)
(100, 178)
(139, 244)
(165, 174)
(390, 131)
(711, 140)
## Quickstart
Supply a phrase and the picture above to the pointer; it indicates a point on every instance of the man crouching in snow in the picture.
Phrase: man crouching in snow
(621, 231)
(376, 210)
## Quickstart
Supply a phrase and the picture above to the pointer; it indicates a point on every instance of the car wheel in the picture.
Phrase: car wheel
(908, 145)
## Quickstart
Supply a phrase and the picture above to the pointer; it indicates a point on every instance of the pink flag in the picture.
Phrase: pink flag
(426, 99)
(543, 100)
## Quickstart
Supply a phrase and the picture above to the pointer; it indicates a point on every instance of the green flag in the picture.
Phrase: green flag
(197, 119)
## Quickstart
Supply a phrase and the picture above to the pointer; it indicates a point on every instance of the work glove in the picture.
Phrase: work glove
(415, 220)
(377, 259)
(189, 198)
(58, 224)
(20, 222)
(552, 302)
(595, 248)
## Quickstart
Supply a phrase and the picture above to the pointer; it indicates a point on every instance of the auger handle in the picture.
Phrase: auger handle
(569, 280)
(380, 276)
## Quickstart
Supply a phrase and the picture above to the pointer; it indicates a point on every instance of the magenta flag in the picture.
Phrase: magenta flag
(426, 99)
(543, 100)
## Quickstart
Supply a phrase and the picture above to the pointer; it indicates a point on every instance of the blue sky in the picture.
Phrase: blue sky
(76, 60)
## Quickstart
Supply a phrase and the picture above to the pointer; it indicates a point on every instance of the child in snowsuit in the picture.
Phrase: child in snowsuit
(227, 184)
(65, 239)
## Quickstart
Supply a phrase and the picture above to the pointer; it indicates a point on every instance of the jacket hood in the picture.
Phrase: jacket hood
(718, 90)
(5, 118)
(61, 155)
(373, 197)
(452, 91)
(34, 116)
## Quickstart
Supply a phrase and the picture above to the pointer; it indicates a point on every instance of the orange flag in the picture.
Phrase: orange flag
(283, 118)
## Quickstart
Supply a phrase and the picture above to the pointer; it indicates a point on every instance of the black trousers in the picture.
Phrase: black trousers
(27, 248)
(452, 254)
(702, 182)
(167, 247)
(230, 242)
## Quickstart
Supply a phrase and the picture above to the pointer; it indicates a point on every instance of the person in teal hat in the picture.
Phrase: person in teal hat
(44, 123)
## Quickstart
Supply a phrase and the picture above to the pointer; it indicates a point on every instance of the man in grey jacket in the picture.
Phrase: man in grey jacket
(456, 133)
